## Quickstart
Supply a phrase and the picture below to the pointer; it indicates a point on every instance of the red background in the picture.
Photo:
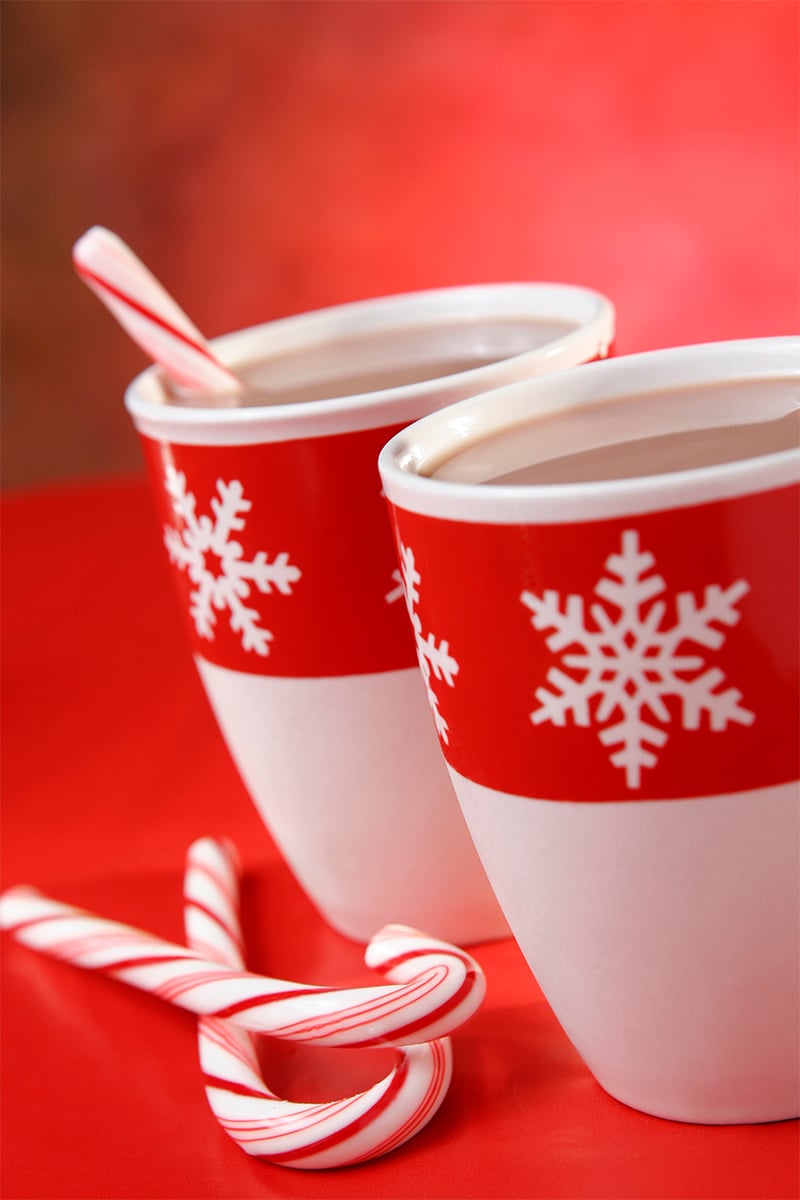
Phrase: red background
(273, 156)
(265, 158)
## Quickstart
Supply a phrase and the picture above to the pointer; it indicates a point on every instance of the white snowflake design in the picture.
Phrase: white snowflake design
(223, 578)
(435, 659)
(631, 664)
(398, 591)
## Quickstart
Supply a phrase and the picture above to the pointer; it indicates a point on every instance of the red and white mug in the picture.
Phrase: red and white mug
(602, 572)
(277, 530)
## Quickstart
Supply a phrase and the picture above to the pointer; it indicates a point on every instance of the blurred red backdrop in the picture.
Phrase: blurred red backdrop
(265, 158)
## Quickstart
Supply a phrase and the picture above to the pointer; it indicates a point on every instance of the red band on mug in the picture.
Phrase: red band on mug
(645, 657)
(282, 554)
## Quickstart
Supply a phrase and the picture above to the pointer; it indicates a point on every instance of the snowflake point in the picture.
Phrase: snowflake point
(435, 658)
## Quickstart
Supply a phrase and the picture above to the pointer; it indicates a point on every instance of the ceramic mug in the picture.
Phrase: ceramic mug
(602, 572)
(282, 554)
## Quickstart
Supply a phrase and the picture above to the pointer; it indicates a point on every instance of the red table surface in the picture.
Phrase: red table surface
(112, 765)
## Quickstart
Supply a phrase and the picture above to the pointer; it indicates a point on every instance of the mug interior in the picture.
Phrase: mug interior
(360, 363)
(628, 434)
(444, 343)
(639, 435)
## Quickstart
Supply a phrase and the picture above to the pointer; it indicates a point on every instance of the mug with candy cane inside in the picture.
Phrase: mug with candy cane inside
(602, 568)
(278, 535)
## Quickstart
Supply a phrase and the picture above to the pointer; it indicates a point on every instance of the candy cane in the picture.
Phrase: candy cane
(149, 314)
(310, 1136)
(435, 987)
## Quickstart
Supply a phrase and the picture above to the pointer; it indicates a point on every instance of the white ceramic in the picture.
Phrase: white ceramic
(277, 529)
(603, 572)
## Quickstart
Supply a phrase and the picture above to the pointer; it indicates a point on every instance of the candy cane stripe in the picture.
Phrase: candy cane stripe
(430, 1103)
(229, 1085)
(224, 926)
(142, 310)
(362, 1123)
(309, 1136)
(427, 1004)
(149, 314)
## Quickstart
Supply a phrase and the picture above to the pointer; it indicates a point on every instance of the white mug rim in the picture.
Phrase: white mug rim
(418, 449)
(592, 313)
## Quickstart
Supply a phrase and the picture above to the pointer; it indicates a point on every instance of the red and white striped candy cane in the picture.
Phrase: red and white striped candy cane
(310, 1136)
(435, 987)
(149, 314)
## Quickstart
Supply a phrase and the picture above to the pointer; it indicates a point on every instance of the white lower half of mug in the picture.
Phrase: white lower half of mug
(665, 937)
(347, 774)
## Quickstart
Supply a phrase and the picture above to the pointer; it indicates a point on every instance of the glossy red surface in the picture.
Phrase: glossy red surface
(112, 766)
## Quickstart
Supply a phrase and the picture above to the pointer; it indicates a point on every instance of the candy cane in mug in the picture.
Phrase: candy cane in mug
(149, 314)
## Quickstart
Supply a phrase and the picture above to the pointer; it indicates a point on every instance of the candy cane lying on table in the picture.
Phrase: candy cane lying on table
(435, 987)
(310, 1136)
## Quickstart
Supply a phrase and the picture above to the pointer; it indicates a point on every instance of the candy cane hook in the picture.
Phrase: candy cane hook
(310, 1136)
